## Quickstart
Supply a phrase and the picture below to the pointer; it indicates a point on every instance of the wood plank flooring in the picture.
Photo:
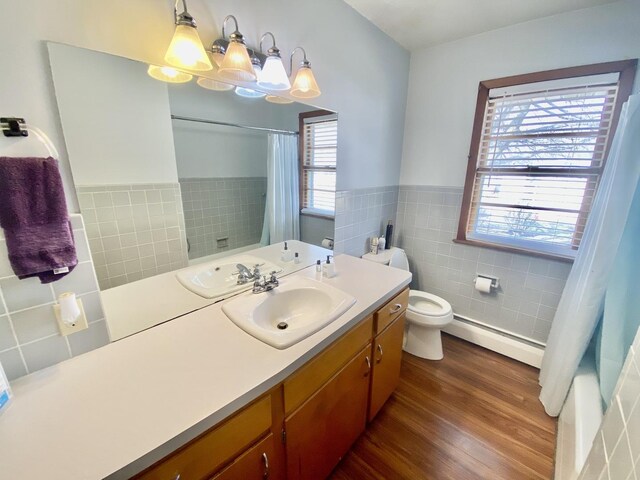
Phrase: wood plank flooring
(473, 415)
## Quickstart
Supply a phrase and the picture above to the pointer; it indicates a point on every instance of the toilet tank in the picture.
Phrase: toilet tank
(394, 256)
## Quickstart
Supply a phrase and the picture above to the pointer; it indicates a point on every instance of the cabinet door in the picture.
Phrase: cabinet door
(387, 355)
(255, 464)
(322, 430)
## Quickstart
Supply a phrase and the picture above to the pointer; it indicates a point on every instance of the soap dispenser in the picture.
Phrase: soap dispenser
(328, 269)
(286, 254)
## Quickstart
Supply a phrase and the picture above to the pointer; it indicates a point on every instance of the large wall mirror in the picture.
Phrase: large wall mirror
(168, 175)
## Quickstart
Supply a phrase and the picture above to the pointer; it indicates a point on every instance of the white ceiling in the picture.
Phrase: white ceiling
(423, 23)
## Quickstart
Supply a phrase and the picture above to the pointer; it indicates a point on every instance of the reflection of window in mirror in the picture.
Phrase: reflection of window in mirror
(318, 147)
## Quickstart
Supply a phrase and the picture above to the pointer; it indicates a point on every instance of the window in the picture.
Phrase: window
(318, 147)
(538, 149)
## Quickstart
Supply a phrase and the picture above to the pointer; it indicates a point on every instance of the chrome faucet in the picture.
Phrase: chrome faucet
(265, 285)
(245, 275)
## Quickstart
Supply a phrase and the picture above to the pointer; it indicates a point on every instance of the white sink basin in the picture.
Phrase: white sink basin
(216, 279)
(289, 313)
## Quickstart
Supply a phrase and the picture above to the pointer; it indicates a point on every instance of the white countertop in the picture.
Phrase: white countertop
(145, 303)
(115, 410)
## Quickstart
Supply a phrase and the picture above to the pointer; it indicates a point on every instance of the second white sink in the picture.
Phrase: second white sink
(291, 312)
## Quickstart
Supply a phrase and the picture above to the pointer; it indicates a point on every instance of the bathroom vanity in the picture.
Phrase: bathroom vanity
(197, 397)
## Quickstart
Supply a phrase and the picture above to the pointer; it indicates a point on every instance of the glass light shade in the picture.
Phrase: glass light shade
(273, 75)
(186, 50)
(278, 100)
(210, 84)
(217, 58)
(305, 85)
(168, 74)
(249, 93)
(236, 64)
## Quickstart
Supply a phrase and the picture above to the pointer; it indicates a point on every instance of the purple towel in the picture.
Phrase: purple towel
(33, 214)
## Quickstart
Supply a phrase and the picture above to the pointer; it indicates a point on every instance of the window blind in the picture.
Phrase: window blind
(540, 157)
(319, 149)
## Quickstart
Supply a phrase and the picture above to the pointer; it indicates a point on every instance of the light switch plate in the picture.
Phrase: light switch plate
(81, 321)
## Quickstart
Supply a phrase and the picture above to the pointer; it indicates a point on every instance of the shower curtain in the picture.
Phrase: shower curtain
(282, 209)
(581, 304)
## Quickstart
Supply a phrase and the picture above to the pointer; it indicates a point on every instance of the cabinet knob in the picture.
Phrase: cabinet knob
(265, 460)
(381, 353)
(368, 362)
(396, 308)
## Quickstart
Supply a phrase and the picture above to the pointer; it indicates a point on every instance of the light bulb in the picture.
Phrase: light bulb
(236, 65)
(249, 93)
(211, 84)
(278, 100)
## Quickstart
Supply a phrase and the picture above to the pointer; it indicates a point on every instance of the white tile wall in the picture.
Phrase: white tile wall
(29, 337)
(231, 207)
(615, 454)
(361, 214)
(135, 231)
(525, 303)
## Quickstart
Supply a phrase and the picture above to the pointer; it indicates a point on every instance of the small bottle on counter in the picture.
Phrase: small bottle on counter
(328, 269)
(318, 270)
(296, 258)
(388, 235)
(381, 243)
(374, 245)
(286, 254)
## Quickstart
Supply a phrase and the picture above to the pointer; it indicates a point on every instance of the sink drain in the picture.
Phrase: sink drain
(282, 325)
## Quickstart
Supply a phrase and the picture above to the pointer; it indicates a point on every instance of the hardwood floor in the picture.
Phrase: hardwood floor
(473, 415)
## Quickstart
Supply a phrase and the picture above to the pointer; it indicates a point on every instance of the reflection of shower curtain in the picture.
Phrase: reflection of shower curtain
(581, 302)
(282, 211)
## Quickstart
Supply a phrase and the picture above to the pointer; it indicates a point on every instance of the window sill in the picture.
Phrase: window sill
(307, 212)
(510, 249)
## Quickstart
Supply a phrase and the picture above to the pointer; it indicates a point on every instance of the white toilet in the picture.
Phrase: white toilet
(427, 314)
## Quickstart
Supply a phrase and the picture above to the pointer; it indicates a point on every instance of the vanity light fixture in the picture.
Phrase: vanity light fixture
(168, 74)
(304, 85)
(211, 84)
(249, 92)
(278, 100)
(273, 75)
(236, 64)
(185, 49)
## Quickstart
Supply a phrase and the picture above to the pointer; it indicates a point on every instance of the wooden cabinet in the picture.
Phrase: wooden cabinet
(255, 464)
(387, 358)
(312, 418)
(323, 428)
(206, 454)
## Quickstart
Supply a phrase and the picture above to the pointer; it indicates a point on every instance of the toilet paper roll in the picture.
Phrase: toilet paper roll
(328, 243)
(483, 284)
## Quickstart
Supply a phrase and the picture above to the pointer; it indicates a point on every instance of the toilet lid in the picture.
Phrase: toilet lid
(399, 259)
(427, 304)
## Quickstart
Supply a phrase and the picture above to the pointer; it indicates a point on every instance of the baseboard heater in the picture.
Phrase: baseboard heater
(507, 343)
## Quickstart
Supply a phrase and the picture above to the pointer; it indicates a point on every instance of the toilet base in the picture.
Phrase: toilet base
(423, 342)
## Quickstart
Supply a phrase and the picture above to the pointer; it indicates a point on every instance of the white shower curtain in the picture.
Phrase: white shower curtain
(581, 302)
(282, 210)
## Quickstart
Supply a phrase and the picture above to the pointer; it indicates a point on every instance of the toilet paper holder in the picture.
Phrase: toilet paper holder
(495, 281)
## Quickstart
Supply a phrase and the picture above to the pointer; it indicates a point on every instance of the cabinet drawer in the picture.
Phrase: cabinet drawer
(391, 310)
(200, 458)
(302, 384)
(254, 464)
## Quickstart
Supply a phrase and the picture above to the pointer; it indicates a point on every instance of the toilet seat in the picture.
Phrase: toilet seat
(428, 306)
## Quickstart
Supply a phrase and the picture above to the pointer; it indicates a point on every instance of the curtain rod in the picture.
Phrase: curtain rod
(226, 124)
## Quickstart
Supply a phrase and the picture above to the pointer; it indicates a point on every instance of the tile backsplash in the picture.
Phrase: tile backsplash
(530, 287)
(361, 214)
(29, 337)
(135, 231)
(615, 454)
(229, 209)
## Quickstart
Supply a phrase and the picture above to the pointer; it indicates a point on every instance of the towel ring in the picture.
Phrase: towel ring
(39, 134)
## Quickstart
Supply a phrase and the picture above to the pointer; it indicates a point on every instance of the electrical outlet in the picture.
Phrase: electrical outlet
(81, 321)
